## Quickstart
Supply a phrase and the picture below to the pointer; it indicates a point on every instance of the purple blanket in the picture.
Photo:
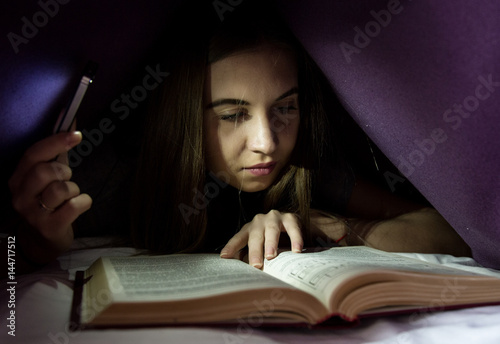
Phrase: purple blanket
(421, 78)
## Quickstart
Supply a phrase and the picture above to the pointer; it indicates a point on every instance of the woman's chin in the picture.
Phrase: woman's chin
(248, 185)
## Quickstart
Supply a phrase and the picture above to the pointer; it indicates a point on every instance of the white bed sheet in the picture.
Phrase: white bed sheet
(43, 303)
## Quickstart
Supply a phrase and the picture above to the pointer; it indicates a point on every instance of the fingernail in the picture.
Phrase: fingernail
(224, 254)
(270, 253)
(297, 248)
(73, 138)
(256, 263)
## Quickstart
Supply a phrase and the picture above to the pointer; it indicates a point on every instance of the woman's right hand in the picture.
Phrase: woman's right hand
(46, 199)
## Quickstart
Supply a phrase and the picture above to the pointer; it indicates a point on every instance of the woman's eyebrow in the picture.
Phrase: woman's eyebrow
(293, 90)
(231, 101)
(227, 101)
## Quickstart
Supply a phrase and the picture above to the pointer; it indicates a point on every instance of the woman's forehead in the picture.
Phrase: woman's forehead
(267, 70)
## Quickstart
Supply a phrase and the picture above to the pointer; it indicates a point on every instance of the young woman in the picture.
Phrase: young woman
(238, 149)
(259, 116)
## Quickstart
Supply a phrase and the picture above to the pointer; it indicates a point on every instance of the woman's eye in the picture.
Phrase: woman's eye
(286, 109)
(235, 117)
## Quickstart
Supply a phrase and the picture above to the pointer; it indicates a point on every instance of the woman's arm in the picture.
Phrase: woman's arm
(377, 219)
(382, 220)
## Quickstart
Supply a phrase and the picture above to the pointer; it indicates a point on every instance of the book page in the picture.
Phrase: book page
(174, 277)
(320, 273)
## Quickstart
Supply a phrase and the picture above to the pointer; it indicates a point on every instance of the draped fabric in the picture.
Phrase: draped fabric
(420, 77)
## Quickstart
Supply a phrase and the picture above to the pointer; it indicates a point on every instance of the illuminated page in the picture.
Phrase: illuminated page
(181, 276)
(320, 273)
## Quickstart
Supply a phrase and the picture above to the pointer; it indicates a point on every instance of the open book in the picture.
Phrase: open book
(293, 288)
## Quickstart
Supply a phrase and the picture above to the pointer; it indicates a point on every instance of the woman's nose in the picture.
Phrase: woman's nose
(261, 137)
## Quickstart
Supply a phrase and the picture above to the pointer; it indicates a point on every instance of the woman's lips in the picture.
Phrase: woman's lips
(261, 169)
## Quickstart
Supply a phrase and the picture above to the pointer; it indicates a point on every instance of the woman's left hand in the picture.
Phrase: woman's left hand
(262, 237)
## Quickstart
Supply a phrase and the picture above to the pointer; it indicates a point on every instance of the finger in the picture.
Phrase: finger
(43, 151)
(63, 157)
(272, 235)
(57, 226)
(26, 195)
(41, 176)
(69, 211)
(235, 244)
(255, 247)
(292, 227)
(59, 192)
(53, 225)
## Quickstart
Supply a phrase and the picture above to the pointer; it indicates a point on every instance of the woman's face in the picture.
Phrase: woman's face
(251, 116)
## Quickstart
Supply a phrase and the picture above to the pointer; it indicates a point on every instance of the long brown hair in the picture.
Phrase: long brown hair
(171, 168)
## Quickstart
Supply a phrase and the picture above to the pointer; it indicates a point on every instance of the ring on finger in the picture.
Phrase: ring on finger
(44, 206)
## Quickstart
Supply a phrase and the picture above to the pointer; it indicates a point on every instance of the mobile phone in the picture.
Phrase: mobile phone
(66, 119)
